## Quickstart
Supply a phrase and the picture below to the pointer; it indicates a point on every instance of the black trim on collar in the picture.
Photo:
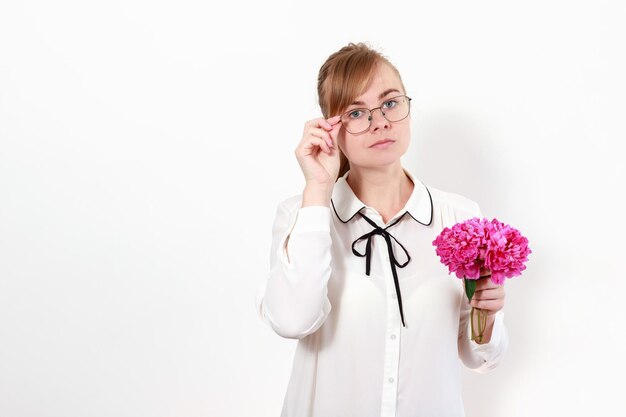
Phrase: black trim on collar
(340, 219)
(431, 208)
(357, 212)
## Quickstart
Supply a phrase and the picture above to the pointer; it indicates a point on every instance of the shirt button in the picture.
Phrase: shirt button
(391, 379)
(394, 295)
(393, 337)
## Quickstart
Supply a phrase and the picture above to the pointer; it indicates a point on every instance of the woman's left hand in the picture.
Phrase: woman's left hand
(488, 296)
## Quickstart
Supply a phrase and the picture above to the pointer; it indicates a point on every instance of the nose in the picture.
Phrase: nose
(378, 121)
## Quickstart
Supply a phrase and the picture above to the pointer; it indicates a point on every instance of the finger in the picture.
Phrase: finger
(317, 123)
(334, 120)
(319, 143)
(321, 133)
(491, 294)
(495, 290)
(491, 305)
(310, 145)
(485, 282)
(327, 124)
(496, 299)
(335, 131)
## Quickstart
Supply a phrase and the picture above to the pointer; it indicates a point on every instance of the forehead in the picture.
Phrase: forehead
(383, 78)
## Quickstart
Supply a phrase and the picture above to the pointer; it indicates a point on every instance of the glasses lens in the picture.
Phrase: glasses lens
(356, 120)
(396, 109)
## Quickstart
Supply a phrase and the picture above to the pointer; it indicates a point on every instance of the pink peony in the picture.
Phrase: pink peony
(507, 250)
(462, 247)
(468, 246)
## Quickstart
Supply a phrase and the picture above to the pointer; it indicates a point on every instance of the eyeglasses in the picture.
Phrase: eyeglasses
(393, 109)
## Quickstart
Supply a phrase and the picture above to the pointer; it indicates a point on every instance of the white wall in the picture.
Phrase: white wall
(144, 146)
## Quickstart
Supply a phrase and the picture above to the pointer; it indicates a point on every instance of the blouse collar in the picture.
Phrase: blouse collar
(419, 205)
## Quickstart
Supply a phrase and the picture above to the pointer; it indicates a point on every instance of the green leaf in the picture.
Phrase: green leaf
(470, 287)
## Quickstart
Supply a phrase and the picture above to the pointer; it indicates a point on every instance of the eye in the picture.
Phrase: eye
(355, 114)
(389, 104)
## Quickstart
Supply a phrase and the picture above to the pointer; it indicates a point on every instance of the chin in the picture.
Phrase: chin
(381, 161)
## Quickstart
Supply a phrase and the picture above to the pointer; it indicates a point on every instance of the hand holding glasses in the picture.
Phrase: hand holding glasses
(394, 109)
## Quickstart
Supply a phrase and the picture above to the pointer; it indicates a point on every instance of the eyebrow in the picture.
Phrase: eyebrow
(383, 94)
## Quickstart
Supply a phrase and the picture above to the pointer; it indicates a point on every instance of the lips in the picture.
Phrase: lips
(382, 141)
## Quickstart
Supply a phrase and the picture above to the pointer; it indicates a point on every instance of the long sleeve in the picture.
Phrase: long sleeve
(293, 299)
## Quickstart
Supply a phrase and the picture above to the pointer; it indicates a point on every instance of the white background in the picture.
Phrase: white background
(144, 146)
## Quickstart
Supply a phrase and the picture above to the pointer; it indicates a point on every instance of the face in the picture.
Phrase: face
(360, 149)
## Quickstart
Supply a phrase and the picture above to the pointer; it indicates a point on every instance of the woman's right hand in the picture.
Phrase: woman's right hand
(318, 154)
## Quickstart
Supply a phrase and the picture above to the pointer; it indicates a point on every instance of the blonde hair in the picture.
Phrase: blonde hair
(343, 77)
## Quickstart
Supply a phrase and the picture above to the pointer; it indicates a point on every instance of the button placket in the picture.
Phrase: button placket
(392, 350)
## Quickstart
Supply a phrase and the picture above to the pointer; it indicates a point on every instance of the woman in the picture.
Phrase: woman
(354, 275)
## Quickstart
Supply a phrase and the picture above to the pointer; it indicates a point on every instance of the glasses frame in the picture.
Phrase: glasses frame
(370, 111)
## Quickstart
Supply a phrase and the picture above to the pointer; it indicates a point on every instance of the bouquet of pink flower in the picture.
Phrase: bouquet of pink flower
(477, 244)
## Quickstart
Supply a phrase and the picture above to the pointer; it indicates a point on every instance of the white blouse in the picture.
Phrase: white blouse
(355, 357)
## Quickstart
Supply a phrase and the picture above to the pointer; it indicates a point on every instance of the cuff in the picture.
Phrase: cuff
(312, 219)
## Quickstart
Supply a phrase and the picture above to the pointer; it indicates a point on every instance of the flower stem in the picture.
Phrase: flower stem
(482, 324)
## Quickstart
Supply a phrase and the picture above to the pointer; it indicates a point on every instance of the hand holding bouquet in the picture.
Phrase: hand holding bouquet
(477, 245)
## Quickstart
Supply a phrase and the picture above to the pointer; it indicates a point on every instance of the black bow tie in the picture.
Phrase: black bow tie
(392, 259)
